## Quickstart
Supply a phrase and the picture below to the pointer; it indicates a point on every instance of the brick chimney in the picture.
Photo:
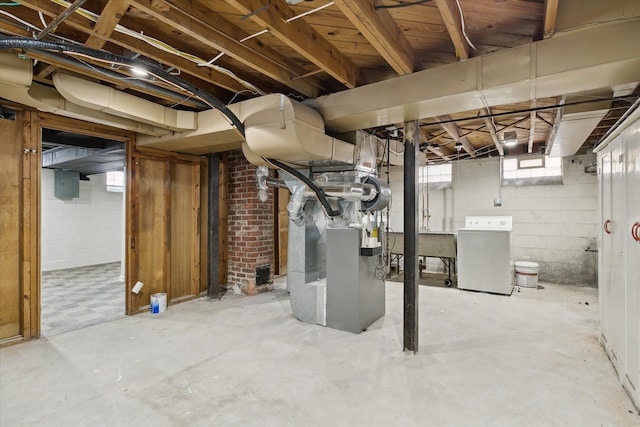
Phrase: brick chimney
(250, 229)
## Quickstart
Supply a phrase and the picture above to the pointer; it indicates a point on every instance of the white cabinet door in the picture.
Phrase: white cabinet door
(618, 274)
(605, 246)
(632, 251)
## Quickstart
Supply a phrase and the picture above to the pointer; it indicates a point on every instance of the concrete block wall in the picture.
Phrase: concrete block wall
(553, 225)
(83, 231)
(250, 227)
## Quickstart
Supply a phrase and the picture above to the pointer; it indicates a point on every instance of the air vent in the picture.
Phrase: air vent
(262, 275)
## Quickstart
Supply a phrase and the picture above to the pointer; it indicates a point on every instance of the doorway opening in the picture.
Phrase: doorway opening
(82, 231)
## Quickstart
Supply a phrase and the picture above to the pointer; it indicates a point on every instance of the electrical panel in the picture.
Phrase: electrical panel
(67, 184)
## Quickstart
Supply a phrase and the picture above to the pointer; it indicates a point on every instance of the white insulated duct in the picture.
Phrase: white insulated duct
(577, 61)
(17, 85)
(286, 130)
(109, 100)
(574, 127)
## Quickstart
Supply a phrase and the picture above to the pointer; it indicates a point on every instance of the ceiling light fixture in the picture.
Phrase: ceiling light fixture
(139, 71)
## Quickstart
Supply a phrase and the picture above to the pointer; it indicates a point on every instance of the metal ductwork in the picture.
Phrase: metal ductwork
(575, 124)
(573, 62)
(286, 130)
(17, 85)
(109, 100)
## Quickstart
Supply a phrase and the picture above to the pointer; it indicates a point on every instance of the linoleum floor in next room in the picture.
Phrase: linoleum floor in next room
(75, 298)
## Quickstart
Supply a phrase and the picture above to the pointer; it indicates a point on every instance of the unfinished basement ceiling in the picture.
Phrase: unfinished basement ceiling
(85, 154)
(241, 49)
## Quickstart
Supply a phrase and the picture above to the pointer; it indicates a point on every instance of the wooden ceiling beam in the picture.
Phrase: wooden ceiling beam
(83, 25)
(492, 131)
(438, 151)
(212, 37)
(453, 131)
(277, 16)
(41, 73)
(514, 124)
(380, 29)
(550, 15)
(109, 19)
(203, 11)
(451, 17)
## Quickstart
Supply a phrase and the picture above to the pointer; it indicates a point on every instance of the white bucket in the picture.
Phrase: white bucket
(527, 274)
(158, 303)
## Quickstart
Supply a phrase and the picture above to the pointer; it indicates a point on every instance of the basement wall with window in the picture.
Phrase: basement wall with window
(554, 225)
(82, 231)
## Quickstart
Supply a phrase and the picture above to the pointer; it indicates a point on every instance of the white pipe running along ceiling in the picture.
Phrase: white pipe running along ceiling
(103, 98)
(17, 85)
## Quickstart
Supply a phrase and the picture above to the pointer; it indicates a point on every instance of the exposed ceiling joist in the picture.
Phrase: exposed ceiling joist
(43, 71)
(220, 41)
(68, 11)
(550, 14)
(109, 18)
(492, 131)
(83, 25)
(451, 17)
(453, 131)
(438, 151)
(221, 24)
(304, 39)
(379, 28)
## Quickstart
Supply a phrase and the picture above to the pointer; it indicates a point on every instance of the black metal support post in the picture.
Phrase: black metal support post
(213, 258)
(411, 150)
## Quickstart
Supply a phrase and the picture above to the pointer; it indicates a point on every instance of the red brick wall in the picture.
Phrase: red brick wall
(250, 226)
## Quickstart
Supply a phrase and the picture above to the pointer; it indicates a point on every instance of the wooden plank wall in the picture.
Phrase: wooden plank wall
(185, 231)
(10, 226)
(150, 229)
(281, 230)
(19, 227)
(165, 216)
(168, 250)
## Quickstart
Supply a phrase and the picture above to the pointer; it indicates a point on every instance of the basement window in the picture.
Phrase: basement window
(436, 176)
(115, 181)
(530, 170)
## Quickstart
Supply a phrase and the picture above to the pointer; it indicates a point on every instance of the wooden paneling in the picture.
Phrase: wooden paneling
(282, 229)
(168, 250)
(150, 228)
(10, 226)
(31, 175)
(185, 231)
(19, 227)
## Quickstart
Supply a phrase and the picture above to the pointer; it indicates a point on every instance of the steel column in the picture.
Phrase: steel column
(213, 258)
(411, 149)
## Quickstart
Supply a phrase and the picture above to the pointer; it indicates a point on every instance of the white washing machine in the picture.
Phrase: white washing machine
(484, 254)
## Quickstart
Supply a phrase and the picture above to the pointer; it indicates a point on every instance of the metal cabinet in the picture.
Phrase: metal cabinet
(619, 251)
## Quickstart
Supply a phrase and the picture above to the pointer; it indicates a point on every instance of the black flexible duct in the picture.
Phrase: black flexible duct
(322, 197)
(30, 44)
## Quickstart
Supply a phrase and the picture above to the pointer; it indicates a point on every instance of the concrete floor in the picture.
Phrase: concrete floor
(532, 359)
